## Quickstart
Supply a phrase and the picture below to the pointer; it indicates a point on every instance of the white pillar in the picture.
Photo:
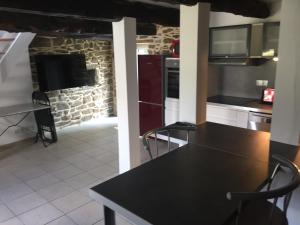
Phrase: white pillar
(194, 42)
(124, 36)
(286, 111)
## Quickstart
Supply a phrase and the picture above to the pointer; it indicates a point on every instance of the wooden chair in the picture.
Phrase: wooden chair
(255, 209)
(153, 134)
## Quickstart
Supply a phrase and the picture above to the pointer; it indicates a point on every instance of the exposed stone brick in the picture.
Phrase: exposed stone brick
(66, 118)
(68, 104)
(62, 106)
(63, 124)
(72, 106)
(161, 42)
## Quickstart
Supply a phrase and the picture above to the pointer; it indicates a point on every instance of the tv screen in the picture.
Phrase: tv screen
(62, 71)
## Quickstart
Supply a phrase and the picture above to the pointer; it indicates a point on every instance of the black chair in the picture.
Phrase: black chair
(257, 208)
(166, 131)
(44, 119)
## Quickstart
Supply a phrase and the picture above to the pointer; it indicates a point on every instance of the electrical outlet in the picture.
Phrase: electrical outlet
(262, 83)
(259, 83)
(265, 83)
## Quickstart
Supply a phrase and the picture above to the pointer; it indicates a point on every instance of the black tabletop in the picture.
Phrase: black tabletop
(186, 186)
(255, 145)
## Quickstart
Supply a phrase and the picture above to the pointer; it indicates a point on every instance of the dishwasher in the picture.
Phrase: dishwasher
(259, 121)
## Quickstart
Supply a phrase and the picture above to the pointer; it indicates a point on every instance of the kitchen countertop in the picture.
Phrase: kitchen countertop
(245, 104)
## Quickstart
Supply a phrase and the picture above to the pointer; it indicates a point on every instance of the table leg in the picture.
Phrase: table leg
(109, 216)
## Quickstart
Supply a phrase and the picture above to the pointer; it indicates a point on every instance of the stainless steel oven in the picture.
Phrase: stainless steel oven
(172, 77)
(259, 121)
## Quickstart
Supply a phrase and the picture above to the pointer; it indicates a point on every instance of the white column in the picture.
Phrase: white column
(124, 35)
(194, 42)
(286, 111)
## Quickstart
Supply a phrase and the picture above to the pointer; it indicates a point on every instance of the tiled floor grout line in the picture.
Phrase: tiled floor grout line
(98, 221)
(106, 148)
(48, 202)
(9, 210)
(66, 214)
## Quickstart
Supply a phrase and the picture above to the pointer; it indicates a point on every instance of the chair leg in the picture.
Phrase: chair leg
(44, 139)
(36, 137)
(188, 137)
(149, 151)
(240, 207)
(53, 134)
(156, 144)
(44, 143)
(272, 211)
(169, 142)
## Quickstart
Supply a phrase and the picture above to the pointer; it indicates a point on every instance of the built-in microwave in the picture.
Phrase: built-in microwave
(172, 77)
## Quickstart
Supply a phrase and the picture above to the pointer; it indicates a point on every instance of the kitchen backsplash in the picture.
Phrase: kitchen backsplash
(240, 81)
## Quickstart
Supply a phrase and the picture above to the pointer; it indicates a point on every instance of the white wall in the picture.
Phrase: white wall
(240, 81)
(218, 19)
(214, 80)
(16, 88)
(286, 111)
(194, 32)
(124, 33)
(217, 73)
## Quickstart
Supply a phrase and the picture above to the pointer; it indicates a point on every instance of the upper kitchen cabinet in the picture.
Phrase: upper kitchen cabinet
(232, 41)
(270, 39)
(248, 45)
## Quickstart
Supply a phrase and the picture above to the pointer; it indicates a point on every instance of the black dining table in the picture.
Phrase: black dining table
(189, 184)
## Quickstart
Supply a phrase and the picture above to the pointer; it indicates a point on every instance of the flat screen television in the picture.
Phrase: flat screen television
(63, 71)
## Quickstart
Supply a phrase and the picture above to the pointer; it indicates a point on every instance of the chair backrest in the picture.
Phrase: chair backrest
(284, 191)
(153, 134)
(182, 126)
(43, 117)
(39, 97)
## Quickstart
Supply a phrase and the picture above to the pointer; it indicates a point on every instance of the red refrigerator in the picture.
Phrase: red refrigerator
(151, 91)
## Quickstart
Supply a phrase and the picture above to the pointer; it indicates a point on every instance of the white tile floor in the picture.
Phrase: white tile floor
(50, 185)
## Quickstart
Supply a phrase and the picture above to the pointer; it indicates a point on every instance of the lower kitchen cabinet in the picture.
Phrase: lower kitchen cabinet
(171, 111)
(227, 116)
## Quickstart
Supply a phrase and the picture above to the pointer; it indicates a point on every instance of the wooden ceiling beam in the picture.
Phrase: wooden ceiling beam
(108, 10)
(20, 22)
(249, 8)
(88, 16)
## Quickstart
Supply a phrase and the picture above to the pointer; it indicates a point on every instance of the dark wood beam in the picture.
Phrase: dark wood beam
(69, 12)
(250, 8)
(49, 25)
(108, 10)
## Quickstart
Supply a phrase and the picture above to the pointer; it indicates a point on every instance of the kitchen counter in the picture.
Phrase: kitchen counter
(244, 104)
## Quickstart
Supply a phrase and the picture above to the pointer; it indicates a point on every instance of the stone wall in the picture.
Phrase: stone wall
(74, 105)
(161, 42)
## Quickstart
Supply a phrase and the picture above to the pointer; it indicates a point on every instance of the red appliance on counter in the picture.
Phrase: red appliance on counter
(151, 94)
(175, 48)
(268, 96)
